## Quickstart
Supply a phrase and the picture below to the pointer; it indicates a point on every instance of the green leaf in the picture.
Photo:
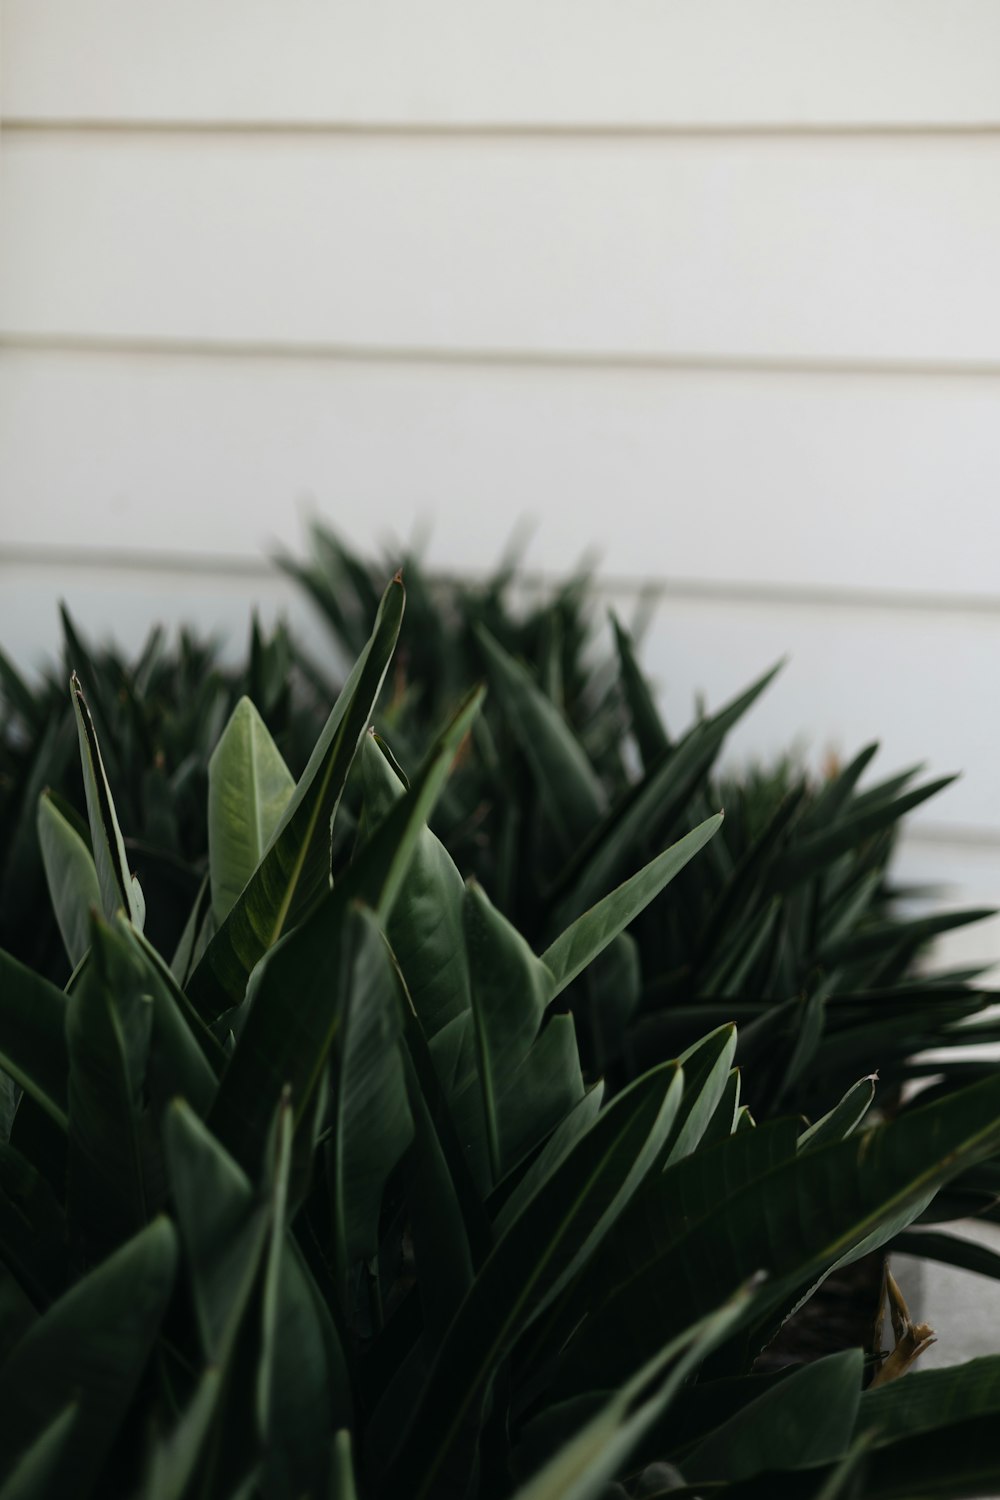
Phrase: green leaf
(647, 726)
(541, 1251)
(425, 927)
(46, 764)
(175, 1453)
(120, 891)
(223, 1228)
(583, 1466)
(844, 1118)
(930, 1400)
(804, 1420)
(249, 787)
(34, 1474)
(571, 791)
(109, 1023)
(796, 1221)
(342, 1485)
(440, 1241)
(294, 873)
(727, 1111)
(18, 694)
(707, 1065)
(575, 948)
(32, 1036)
(838, 791)
(185, 1058)
(187, 954)
(807, 856)
(301, 1386)
(519, 1077)
(281, 1046)
(71, 875)
(372, 1124)
(90, 1347)
(880, 937)
(33, 1241)
(562, 1140)
(648, 810)
(950, 1250)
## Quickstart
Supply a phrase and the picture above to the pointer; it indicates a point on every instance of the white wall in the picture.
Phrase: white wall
(709, 284)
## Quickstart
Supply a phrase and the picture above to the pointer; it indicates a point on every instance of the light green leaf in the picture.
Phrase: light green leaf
(707, 1064)
(249, 787)
(723, 1121)
(425, 927)
(844, 1118)
(342, 1486)
(500, 1109)
(281, 1045)
(294, 874)
(71, 876)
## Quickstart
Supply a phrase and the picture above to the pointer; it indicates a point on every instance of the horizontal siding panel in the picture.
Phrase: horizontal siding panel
(858, 483)
(648, 62)
(953, 872)
(819, 248)
(913, 682)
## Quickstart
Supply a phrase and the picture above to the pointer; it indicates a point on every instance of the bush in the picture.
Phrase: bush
(326, 1204)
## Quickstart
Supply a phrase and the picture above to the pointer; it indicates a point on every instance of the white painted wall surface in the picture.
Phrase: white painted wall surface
(710, 287)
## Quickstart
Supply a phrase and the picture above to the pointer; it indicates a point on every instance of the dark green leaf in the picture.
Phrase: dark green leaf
(32, 1036)
(804, 1420)
(575, 948)
(582, 1466)
(569, 786)
(120, 891)
(372, 1124)
(540, 1252)
(90, 1347)
(109, 1024)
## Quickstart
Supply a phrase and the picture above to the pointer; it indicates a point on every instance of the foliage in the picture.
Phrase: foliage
(159, 714)
(322, 1203)
(789, 925)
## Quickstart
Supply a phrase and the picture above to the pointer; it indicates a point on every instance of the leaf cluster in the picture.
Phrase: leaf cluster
(324, 1202)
